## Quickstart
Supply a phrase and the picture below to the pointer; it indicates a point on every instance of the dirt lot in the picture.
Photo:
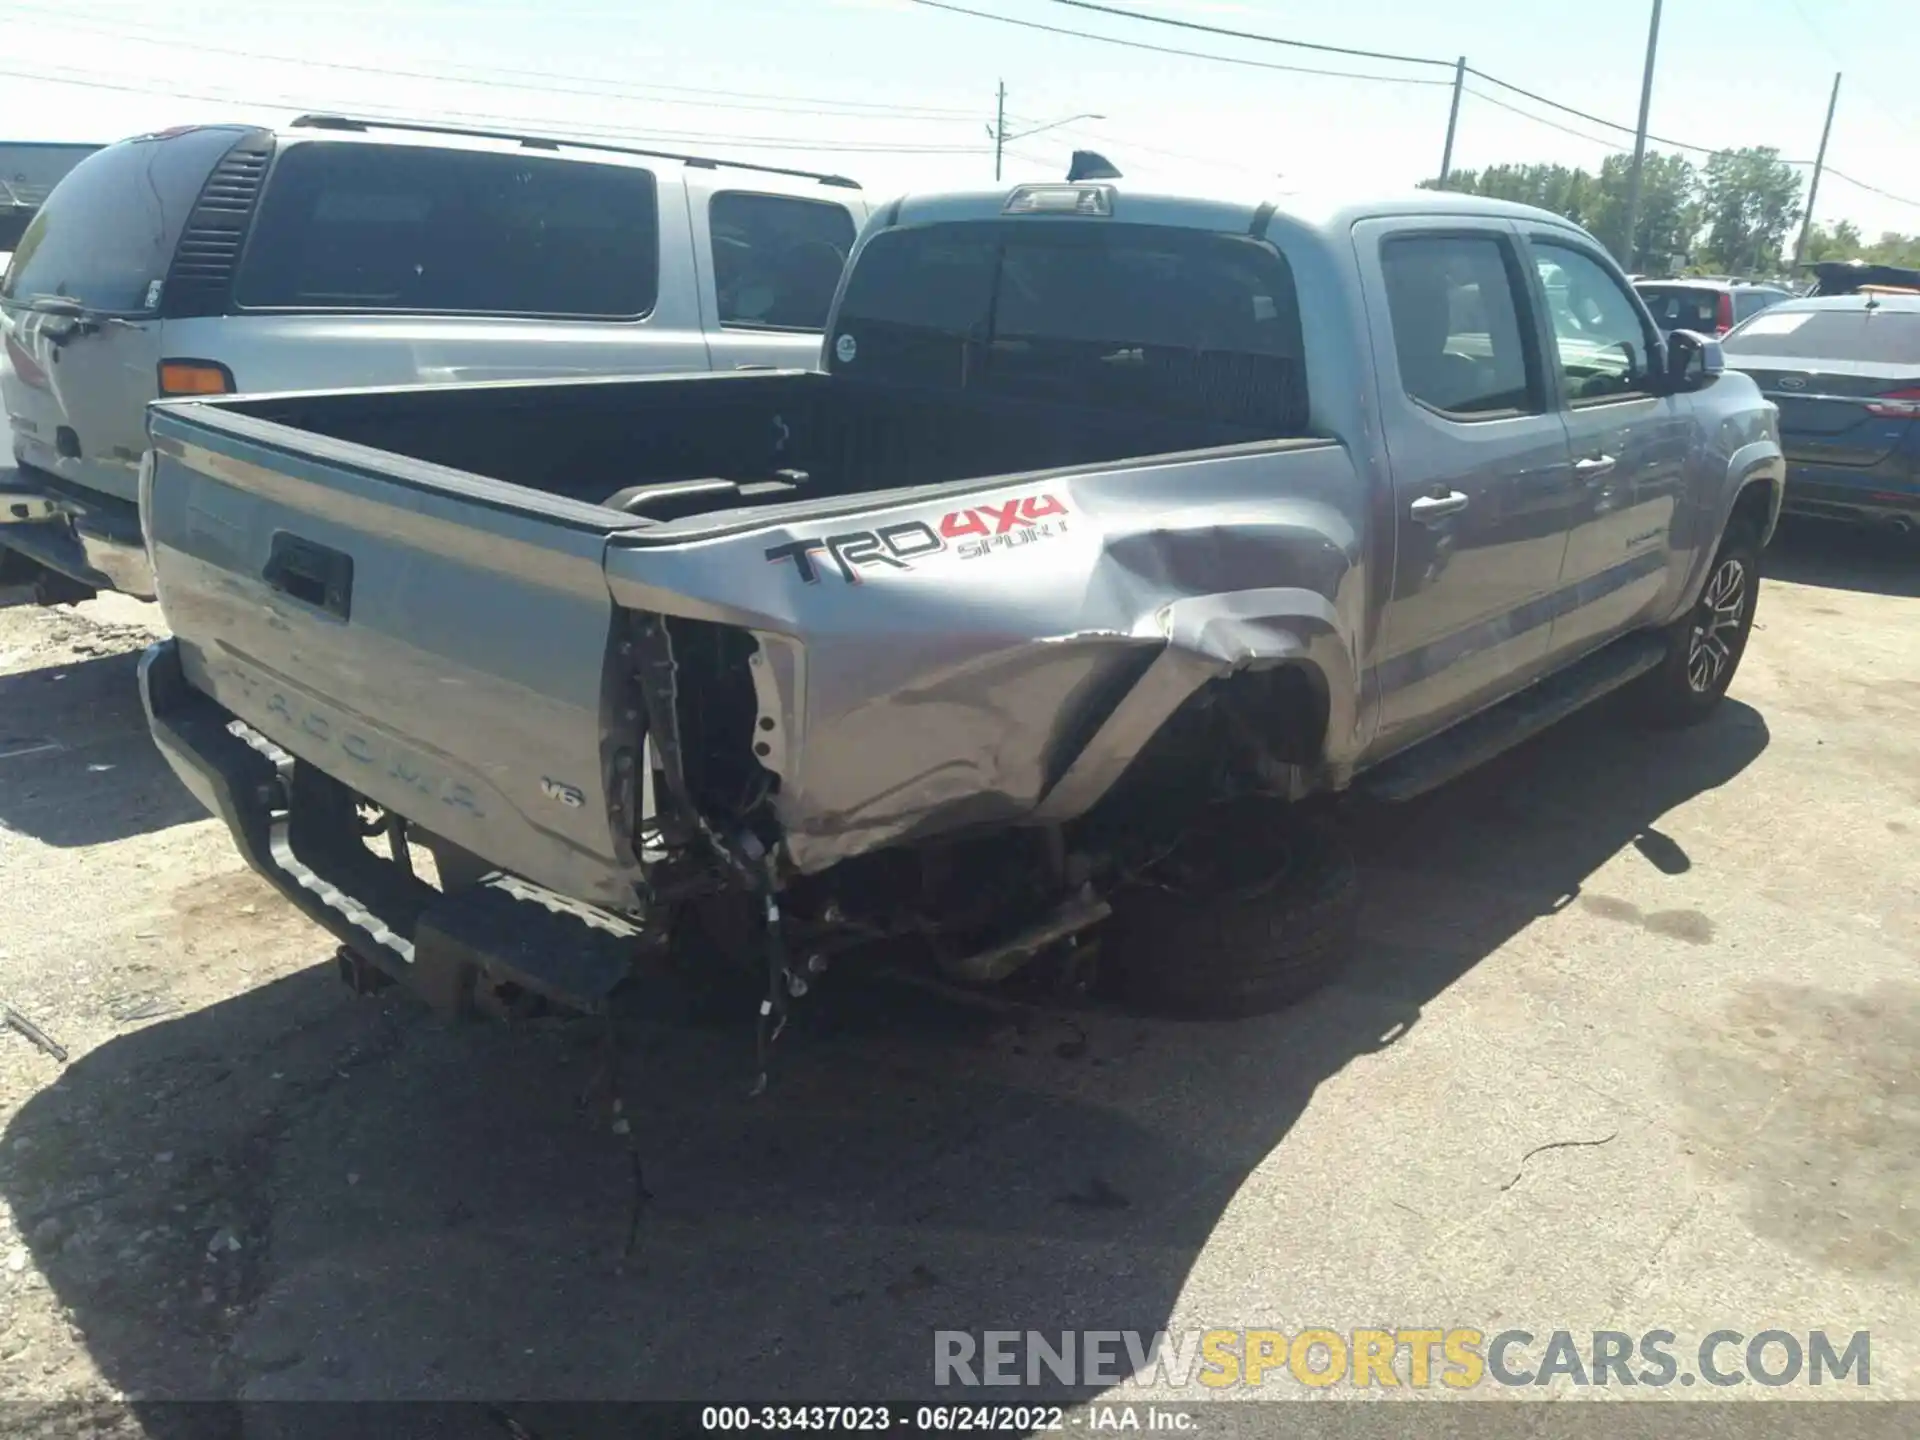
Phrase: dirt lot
(1695, 954)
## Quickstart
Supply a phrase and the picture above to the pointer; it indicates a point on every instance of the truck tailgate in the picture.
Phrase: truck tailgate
(437, 641)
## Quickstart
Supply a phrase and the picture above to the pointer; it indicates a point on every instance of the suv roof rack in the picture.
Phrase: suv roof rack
(554, 142)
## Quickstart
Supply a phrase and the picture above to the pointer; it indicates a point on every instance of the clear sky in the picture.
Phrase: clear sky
(899, 94)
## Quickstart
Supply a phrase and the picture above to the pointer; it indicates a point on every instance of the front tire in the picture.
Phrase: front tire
(1705, 645)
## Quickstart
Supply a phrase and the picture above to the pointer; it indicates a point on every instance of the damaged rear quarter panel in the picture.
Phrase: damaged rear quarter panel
(1011, 671)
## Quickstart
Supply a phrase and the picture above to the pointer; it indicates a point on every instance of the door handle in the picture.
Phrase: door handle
(312, 574)
(1594, 468)
(1429, 508)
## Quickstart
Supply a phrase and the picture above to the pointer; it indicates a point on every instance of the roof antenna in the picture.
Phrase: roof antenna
(1091, 165)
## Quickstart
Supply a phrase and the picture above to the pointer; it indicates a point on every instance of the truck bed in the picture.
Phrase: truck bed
(886, 614)
(597, 441)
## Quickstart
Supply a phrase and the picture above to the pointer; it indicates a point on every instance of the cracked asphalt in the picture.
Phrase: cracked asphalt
(1630, 1044)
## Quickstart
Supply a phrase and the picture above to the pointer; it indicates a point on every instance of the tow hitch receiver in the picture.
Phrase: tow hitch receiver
(505, 936)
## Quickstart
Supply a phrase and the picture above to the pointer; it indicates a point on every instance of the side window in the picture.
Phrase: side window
(1456, 326)
(1604, 350)
(415, 228)
(777, 260)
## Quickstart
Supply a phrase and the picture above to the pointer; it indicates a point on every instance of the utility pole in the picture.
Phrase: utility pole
(1632, 256)
(999, 130)
(1453, 120)
(1813, 184)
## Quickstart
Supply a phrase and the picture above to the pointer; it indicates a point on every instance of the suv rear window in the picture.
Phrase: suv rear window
(418, 229)
(1151, 320)
(1682, 307)
(1880, 336)
(105, 236)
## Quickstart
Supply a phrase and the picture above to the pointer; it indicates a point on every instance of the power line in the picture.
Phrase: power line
(1170, 50)
(521, 122)
(1871, 189)
(1250, 35)
(488, 75)
(1131, 145)
(1541, 119)
(1594, 119)
(1170, 21)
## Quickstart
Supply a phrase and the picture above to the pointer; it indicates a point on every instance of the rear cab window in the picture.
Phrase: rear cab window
(423, 230)
(777, 259)
(1881, 335)
(1153, 320)
(105, 236)
(1457, 333)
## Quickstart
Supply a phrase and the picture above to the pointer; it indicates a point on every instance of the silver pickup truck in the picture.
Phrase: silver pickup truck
(1108, 514)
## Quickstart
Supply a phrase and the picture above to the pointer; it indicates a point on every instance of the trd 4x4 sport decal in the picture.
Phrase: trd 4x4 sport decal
(969, 534)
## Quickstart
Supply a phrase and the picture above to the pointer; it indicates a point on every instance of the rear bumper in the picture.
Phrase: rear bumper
(1837, 493)
(299, 830)
(95, 540)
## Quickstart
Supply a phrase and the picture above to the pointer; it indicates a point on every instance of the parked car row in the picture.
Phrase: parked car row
(343, 252)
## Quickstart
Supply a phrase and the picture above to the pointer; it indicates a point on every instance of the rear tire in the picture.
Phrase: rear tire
(1245, 918)
(1704, 646)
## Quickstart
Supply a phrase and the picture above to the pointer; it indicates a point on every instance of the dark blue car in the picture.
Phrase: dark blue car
(1845, 372)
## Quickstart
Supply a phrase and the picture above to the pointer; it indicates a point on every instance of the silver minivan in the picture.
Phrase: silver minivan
(340, 252)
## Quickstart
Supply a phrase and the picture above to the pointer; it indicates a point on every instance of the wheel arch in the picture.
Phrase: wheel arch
(1283, 681)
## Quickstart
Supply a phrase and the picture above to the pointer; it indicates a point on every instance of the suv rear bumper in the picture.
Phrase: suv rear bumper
(1837, 493)
(95, 540)
(300, 830)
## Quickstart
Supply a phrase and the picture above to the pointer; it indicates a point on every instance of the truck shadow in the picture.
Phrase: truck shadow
(292, 1195)
(1844, 557)
(77, 764)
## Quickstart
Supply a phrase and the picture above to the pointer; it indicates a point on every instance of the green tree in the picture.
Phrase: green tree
(1845, 242)
(1895, 249)
(1842, 242)
(1551, 187)
(1669, 201)
(1751, 198)
(1669, 210)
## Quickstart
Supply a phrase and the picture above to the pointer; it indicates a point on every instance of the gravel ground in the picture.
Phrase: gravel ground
(1694, 954)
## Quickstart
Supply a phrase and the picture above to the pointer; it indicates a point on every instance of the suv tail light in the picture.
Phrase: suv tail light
(1896, 405)
(195, 377)
(1723, 314)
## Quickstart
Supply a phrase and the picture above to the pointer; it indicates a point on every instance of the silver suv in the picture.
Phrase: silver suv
(341, 252)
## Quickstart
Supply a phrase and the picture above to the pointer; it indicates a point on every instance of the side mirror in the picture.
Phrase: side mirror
(1693, 360)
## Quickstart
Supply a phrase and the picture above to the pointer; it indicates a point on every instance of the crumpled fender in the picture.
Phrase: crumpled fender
(1209, 637)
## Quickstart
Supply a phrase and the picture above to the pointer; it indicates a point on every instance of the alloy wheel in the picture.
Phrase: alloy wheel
(1716, 626)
